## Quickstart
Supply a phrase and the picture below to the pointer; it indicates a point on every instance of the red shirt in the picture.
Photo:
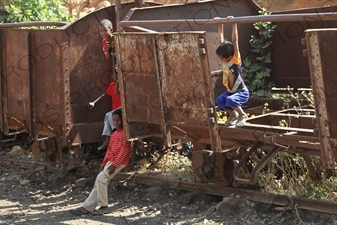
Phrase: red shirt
(115, 98)
(104, 42)
(119, 150)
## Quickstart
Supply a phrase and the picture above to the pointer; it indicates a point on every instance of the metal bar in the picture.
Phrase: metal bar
(314, 174)
(281, 111)
(3, 84)
(209, 99)
(253, 177)
(17, 132)
(257, 196)
(293, 115)
(46, 138)
(320, 98)
(119, 13)
(126, 124)
(33, 24)
(166, 131)
(64, 68)
(242, 19)
(264, 136)
(278, 128)
(32, 87)
(129, 14)
(137, 28)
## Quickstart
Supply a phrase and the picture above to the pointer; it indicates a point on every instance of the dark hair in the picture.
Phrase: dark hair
(105, 23)
(225, 49)
(117, 112)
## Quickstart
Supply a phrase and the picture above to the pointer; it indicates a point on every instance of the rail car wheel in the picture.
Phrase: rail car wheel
(213, 167)
(143, 151)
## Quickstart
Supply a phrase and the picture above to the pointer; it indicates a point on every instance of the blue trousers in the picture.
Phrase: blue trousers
(231, 100)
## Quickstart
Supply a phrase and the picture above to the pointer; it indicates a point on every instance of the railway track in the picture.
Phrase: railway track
(292, 202)
(252, 195)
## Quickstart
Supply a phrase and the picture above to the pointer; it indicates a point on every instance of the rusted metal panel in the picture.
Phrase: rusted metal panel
(182, 79)
(49, 83)
(203, 10)
(86, 74)
(178, 90)
(89, 70)
(185, 82)
(285, 40)
(85, 133)
(15, 73)
(322, 45)
(140, 91)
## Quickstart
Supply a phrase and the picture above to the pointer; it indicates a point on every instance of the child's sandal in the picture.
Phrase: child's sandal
(230, 121)
(241, 121)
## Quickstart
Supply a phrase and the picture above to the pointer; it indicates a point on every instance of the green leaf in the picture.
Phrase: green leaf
(37, 10)
(254, 68)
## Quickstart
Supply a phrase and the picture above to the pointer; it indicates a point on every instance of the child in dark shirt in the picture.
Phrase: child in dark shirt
(237, 93)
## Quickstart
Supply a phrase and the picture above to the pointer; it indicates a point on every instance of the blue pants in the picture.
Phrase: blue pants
(108, 125)
(232, 100)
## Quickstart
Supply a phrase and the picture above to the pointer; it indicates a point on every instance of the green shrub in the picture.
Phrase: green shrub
(256, 72)
(35, 10)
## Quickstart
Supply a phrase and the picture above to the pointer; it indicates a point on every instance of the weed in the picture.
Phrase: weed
(256, 72)
(287, 174)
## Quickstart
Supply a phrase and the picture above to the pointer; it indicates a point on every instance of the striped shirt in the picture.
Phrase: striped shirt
(119, 150)
(233, 67)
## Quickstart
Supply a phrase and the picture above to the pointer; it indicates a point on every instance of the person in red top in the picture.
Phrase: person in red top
(115, 95)
(105, 30)
(116, 158)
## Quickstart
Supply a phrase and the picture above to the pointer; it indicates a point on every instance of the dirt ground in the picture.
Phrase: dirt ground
(34, 196)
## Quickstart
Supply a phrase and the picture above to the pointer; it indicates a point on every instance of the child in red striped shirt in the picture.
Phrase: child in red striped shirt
(116, 158)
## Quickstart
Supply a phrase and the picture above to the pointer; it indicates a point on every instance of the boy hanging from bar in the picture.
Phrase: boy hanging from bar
(237, 93)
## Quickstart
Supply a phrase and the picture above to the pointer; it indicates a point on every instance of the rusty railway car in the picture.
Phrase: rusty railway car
(48, 78)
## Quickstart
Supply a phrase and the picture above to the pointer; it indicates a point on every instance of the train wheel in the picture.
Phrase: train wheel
(213, 167)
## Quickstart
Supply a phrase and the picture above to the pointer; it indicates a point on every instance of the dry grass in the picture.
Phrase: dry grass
(172, 165)
(287, 174)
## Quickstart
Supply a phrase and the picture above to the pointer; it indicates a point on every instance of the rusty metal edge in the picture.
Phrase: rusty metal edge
(121, 81)
(257, 196)
(33, 24)
(32, 87)
(166, 131)
(3, 87)
(316, 74)
(64, 68)
(118, 13)
(242, 19)
(209, 99)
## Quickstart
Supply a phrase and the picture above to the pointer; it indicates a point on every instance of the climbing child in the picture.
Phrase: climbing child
(237, 93)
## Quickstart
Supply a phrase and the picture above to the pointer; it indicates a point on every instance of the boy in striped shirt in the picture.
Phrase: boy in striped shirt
(116, 158)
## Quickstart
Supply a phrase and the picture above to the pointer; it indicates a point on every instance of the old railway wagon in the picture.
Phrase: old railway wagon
(50, 76)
